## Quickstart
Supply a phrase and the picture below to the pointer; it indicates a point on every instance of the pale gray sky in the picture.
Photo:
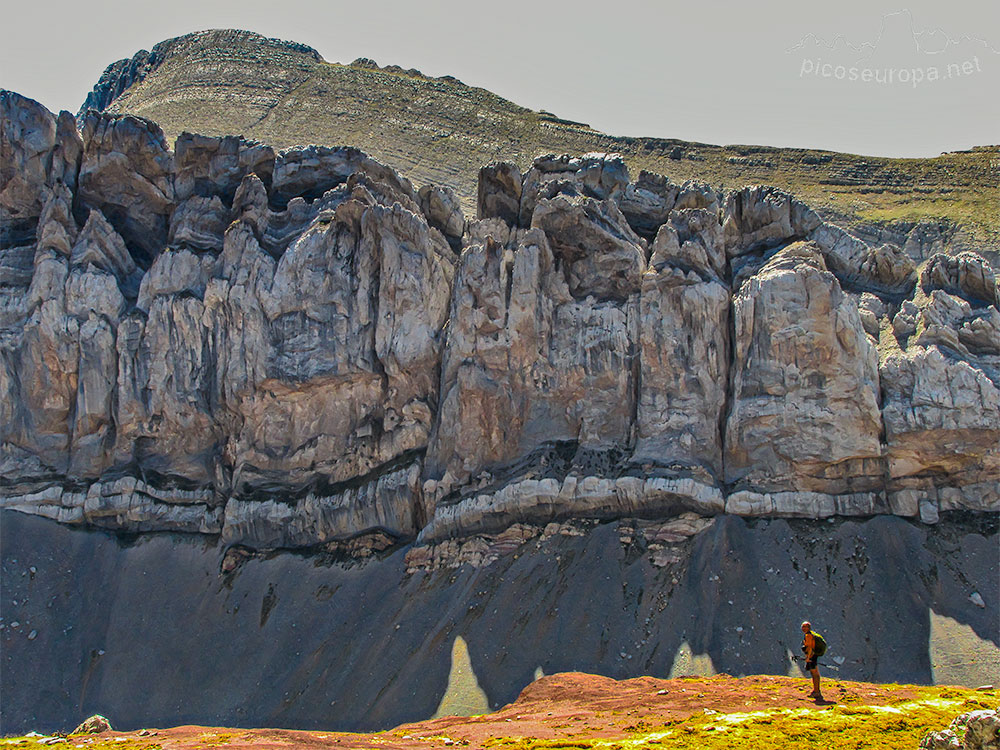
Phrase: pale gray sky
(775, 72)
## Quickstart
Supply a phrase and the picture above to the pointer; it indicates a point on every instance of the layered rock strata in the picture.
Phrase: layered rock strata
(296, 348)
(189, 344)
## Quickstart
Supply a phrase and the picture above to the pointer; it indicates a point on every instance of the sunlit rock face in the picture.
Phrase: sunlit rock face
(805, 413)
(942, 391)
(184, 331)
(298, 348)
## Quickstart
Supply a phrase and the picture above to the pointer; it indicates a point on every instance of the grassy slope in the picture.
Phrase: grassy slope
(896, 719)
(894, 727)
(442, 131)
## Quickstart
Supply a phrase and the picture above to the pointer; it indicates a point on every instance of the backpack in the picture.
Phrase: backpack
(820, 647)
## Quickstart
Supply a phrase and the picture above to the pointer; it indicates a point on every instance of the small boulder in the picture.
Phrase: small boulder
(943, 740)
(94, 725)
(982, 730)
(976, 730)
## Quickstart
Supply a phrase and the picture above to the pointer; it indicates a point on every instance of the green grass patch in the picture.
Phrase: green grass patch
(89, 741)
(897, 726)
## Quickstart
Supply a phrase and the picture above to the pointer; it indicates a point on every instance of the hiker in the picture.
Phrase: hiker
(813, 645)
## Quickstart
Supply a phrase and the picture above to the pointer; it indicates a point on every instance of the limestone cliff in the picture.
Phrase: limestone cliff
(298, 348)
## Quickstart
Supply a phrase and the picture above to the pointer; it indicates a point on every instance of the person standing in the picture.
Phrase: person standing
(812, 645)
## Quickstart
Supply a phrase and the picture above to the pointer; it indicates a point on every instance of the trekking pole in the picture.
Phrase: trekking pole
(802, 658)
(819, 663)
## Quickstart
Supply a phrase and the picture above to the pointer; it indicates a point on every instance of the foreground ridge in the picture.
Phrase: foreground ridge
(587, 711)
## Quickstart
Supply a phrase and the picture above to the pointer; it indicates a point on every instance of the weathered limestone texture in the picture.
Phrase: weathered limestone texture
(299, 348)
(942, 392)
(805, 412)
(684, 333)
(164, 326)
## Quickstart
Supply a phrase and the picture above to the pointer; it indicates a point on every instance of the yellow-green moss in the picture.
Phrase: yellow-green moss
(847, 725)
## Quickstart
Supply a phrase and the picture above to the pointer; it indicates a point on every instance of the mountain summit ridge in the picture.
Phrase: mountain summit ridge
(440, 131)
(122, 74)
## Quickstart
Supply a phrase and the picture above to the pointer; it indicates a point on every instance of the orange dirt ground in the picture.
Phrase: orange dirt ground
(562, 706)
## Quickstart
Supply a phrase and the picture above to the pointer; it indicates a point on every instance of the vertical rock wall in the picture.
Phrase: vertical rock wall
(298, 348)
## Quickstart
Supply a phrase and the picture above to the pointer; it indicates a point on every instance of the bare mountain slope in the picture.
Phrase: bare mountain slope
(439, 130)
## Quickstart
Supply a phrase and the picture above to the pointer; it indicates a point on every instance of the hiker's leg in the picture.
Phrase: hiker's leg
(815, 675)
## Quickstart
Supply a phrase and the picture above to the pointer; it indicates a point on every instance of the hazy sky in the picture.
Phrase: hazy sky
(864, 76)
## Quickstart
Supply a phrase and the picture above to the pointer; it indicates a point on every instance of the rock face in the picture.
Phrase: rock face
(975, 730)
(685, 344)
(942, 391)
(37, 151)
(173, 347)
(805, 412)
(297, 348)
(127, 173)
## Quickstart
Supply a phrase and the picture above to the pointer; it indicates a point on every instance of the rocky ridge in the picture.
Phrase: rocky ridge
(297, 348)
(441, 131)
(123, 74)
(592, 711)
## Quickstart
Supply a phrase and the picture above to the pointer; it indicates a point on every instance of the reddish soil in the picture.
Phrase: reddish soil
(561, 706)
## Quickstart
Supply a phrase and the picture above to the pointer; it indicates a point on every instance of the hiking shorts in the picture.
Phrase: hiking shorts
(812, 664)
